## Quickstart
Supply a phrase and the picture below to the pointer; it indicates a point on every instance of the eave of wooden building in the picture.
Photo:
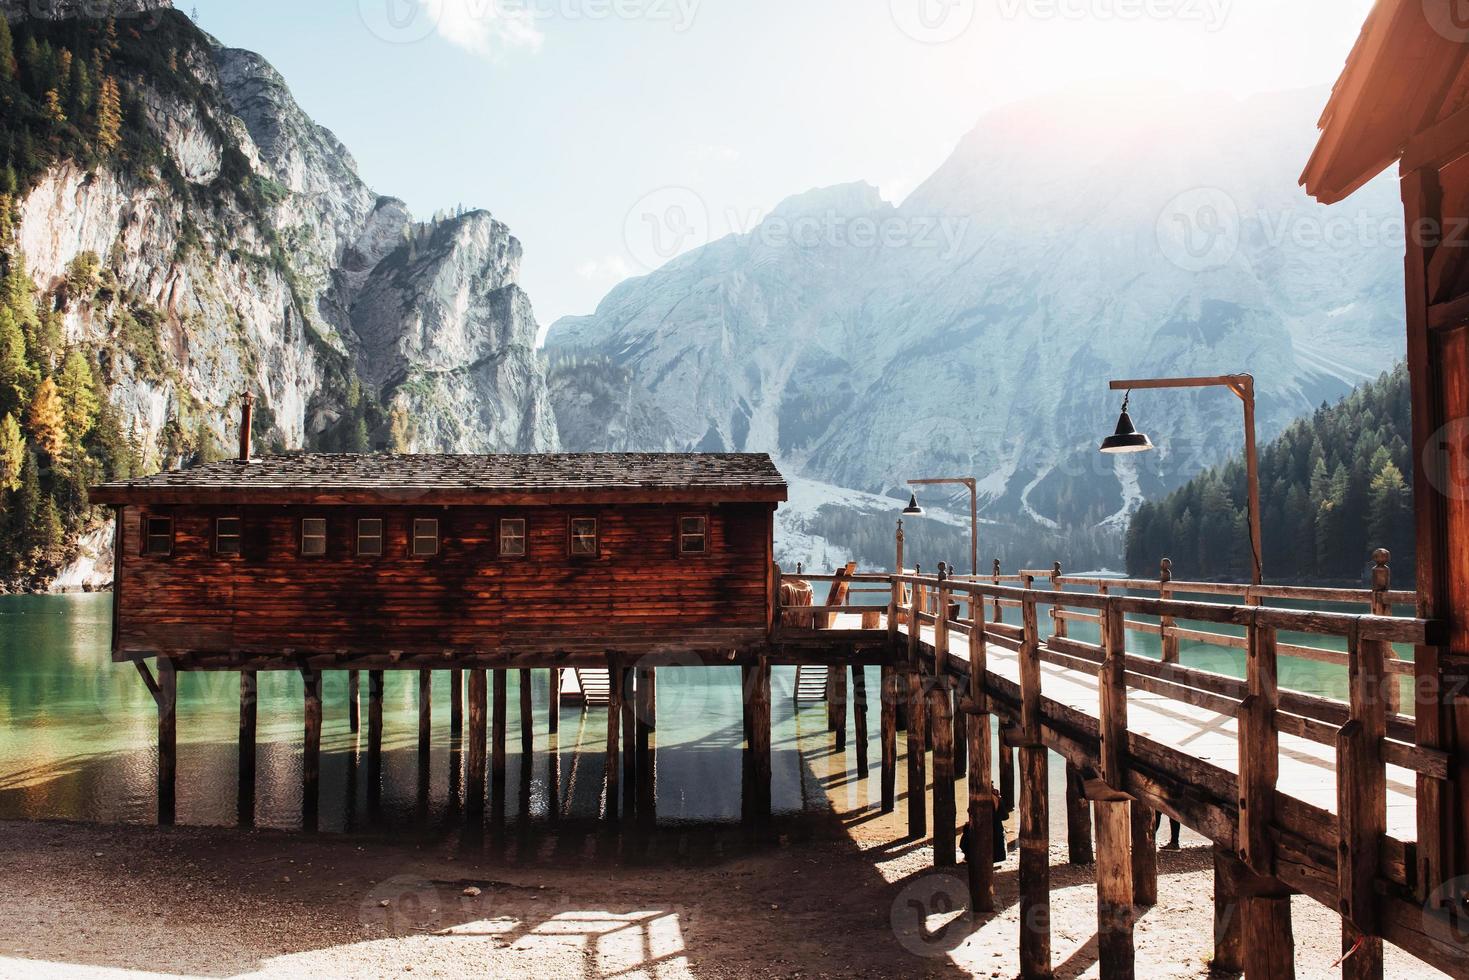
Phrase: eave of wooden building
(1404, 77)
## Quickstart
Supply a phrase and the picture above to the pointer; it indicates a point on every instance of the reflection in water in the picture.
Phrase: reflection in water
(77, 742)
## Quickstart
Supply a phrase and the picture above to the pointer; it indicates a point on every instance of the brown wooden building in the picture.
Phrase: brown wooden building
(398, 561)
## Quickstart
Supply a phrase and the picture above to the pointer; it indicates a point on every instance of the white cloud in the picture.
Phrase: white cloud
(485, 27)
(610, 269)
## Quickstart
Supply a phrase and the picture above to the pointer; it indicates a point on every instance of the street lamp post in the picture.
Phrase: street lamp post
(973, 485)
(1127, 439)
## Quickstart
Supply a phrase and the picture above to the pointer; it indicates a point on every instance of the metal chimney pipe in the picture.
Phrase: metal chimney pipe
(247, 416)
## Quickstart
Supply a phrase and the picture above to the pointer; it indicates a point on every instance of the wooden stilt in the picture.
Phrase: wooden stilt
(1078, 819)
(917, 760)
(839, 706)
(249, 708)
(1144, 856)
(1266, 936)
(629, 681)
(456, 702)
(1007, 775)
(1035, 865)
(425, 711)
(354, 701)
(527, 721)
(474, 791)
(981, 781)
(1115, 949)
(961, 736)
(941, 703)
(613, 807)
(166, 695)
(859, 717)
(374, 737)
(497, 731)
(553, 706)
(1229, 953)
(760, 721)
(311, 751)
(647, 725)
(889, 721)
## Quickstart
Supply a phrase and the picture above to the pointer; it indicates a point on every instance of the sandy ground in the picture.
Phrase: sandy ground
(823, 898)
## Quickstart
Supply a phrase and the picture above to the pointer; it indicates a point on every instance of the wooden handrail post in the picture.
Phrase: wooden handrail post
(999, 610)
(1165, 591)
(941, 627)
(981, 788)
(1115, 881)
(1382, 606)
(1058, 622)
(1259, 751)
(1035, 830)
(1362, 806)
(917, 727)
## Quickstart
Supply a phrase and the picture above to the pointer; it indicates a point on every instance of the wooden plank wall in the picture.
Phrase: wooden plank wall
(272, 598)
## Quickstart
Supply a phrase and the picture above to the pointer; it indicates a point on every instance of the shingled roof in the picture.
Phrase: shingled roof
(489, 479)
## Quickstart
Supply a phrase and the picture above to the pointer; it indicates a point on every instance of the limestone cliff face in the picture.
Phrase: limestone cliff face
(252, 256)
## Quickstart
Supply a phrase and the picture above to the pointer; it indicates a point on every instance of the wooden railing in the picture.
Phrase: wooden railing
(1365, 729)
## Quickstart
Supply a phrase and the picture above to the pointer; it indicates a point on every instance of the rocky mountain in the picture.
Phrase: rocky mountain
(175, 219)
(972, 328)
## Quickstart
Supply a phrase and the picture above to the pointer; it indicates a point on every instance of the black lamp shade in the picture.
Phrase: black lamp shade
(913, 510)
(1126, 439)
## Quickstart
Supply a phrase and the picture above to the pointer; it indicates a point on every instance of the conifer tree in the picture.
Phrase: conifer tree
(15, 372)
(78, 391)
(8, 67)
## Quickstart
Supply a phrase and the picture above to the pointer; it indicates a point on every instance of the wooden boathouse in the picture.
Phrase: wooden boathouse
(1361, 803)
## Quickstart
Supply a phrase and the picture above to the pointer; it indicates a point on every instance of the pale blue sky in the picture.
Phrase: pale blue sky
(562, 117)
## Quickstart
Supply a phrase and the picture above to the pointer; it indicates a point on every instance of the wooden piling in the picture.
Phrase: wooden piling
(759, 698)
(1078, 819)
(942, 705)
(917, 759)
(961, 736)
(553, 706)
(354, 701)
(249, 710)
(647, 726)
(166, 696)
(1362, 804)
(498, 726)
(425, 711)
(1007, 774)
(527, 721)
(981, 785)
(311, 751)
(1035, 825)
(888, 709)
(456, 703)
(628, 681)
(612, 809)
(859, 716)
(1116, 956)
(474, 791)
(839, 705)
(1229, 953)
(374, 715)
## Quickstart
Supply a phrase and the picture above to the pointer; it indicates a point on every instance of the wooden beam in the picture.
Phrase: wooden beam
(1259, 752)
(1362, 807)
(1438, 145)
(889, 723)
(354, 701)
(941, 706)
(1078, 819)
(311, 750)
(474, 792)
(1035, 864)
(498, 726)
(527, 721)
(425, 711)
(249, 709)
(612, 808)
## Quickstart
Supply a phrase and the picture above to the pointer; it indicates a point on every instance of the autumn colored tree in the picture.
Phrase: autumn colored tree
(8, 68)
(109, 115)
(12, 453)
(47, 420)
